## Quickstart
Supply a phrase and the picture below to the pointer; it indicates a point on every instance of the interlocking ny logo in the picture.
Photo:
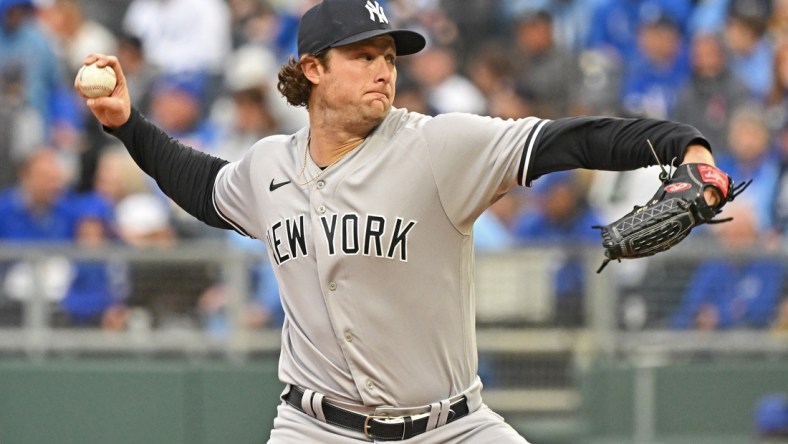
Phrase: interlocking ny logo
(376, 10)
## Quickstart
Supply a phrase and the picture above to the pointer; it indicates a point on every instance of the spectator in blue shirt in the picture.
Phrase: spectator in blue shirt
(563, 215)
(751, 154)
(563, 219)
(24, 44)
(655, 73)
(709, 98)
(615, 23)
(39, 208)
(751, 49)
(735, 290)
(98, 287)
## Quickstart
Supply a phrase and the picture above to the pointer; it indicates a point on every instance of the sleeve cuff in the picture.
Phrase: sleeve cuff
(127, 127)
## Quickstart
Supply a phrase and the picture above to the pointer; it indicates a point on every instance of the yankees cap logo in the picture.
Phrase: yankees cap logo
(376, 10)
(333, 23)
(275, 186)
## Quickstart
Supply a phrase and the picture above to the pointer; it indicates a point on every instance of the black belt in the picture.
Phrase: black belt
(375, 426)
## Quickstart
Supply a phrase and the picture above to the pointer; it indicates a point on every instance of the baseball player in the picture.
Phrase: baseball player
(367, 213)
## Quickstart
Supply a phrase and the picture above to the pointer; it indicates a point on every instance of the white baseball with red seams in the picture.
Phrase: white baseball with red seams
(93, 81)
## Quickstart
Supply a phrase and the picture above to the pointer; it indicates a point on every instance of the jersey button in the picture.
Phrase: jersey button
(332, 286)
(370, 385)
(348, 337)
(320, 184)
(321, 209)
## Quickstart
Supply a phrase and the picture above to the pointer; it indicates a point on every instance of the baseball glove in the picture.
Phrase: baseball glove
(678, 206)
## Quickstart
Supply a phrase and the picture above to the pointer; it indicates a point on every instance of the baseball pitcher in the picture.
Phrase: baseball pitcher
(367, 213)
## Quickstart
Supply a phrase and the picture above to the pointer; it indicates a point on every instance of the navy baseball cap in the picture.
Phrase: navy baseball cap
(333, 23)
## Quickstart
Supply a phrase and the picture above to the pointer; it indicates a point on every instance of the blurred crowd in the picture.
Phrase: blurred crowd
(205, 71)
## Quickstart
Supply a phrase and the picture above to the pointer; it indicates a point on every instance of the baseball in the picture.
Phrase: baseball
(93, 81)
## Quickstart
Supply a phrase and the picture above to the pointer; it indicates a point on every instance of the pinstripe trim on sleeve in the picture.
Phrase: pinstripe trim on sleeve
(530, 141)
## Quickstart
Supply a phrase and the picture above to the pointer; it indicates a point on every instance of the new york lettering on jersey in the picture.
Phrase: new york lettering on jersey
(348, 234)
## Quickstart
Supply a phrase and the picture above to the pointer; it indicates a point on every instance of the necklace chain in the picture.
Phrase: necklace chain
(349, 146)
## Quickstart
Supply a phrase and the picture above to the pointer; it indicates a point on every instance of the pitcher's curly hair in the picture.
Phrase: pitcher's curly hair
(293, 84)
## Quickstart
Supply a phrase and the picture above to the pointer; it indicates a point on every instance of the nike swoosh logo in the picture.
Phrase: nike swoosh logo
(274, 186)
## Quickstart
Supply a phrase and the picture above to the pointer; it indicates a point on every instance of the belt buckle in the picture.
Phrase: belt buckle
(367, 425)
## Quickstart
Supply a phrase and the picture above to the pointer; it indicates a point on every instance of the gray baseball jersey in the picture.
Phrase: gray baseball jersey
(374, 254)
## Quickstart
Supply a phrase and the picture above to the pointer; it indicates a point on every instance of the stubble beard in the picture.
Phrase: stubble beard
(360, 118)
(374, 113)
